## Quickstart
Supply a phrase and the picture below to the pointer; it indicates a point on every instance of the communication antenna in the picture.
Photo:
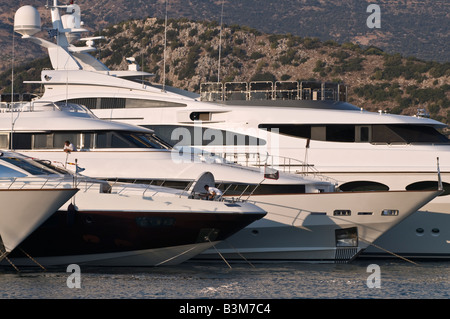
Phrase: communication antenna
(12, 90)
(220, 42)
(164, 57)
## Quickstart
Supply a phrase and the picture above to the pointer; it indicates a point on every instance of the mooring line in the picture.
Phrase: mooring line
(237, 251)
(34, 260)
(390, 252)
(220, 254)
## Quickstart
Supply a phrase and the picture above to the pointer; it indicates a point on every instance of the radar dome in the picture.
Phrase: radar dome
(27, 21)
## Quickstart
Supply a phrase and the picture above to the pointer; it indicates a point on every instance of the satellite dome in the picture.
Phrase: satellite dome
(27, 21)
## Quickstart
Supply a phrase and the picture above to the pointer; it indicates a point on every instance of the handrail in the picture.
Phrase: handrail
(280, 163)
(30, 106)
(268, 90)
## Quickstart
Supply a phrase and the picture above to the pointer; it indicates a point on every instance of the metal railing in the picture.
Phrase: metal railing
(267, 90)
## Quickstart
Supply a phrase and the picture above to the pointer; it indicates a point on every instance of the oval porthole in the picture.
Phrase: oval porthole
(420, 231)
(435, 232)
(428, 185)
(255, 232)
(363, 186)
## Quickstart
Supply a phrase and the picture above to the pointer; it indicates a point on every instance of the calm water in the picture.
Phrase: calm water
(398, 280)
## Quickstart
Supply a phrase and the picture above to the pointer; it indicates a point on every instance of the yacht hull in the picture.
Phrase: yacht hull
(24, 210)
(127, 238)
(319, 231)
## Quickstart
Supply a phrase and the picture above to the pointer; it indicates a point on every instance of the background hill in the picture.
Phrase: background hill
(409, 27)
(377, 79)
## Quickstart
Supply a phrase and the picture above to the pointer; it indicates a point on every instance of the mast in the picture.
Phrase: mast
(220, 42)
(164, 57)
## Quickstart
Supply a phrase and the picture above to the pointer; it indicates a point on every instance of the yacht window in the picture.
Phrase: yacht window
(136, 103)
(87, 141)
(188, 135)
(9, 172)
(429, 185)
(297, 130)
(54, 169)
(101, 140)
(378, 133)
(120, 142)
(406, 134)
(21, 141)
(4, 140)
(54, 140)
(31, 167)
(43, 141)
(363, 134)
(318, 133)
(363, 186)
(389, 212)
(342, 212)
(117, 103)
(340, 133)
(112, 103)
(129, 140)
(261, 189)
(60, 137)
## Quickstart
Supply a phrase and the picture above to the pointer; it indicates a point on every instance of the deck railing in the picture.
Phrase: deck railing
(267, 90)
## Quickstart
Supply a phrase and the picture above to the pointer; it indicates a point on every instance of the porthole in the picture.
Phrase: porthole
(420, 231)
(255, 232)
(435, 232)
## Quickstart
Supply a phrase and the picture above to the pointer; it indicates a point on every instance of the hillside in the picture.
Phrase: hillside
(377, 80)
(409, 27)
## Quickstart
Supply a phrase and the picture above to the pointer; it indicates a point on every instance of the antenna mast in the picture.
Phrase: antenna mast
(12, 91)
(164, 57)
(220, 43)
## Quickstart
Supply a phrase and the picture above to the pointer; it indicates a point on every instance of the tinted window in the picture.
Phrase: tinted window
(188, 135)
(31, 167)
(9, 172)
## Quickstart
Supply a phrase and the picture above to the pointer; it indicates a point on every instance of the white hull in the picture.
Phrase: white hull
(306, 218)
(24, 210)
(309, 233)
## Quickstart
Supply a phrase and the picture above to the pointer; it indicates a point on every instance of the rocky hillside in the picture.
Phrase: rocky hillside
(377, 80)
(410, 27)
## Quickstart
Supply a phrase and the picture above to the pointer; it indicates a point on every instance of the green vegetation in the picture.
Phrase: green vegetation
(376, 79)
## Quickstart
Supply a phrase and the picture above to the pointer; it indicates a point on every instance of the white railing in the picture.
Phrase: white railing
(26, 106)
(258, 160)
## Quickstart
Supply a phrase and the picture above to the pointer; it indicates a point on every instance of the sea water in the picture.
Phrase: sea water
(361, 279)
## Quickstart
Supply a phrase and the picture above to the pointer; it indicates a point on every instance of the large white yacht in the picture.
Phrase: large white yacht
(116, 224)
(311, 229)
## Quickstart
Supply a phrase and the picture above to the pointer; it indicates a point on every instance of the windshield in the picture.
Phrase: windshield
(32, 167)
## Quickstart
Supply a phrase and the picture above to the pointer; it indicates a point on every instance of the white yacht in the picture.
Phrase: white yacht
(116, 224)
(25, 209)
(306, 219)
